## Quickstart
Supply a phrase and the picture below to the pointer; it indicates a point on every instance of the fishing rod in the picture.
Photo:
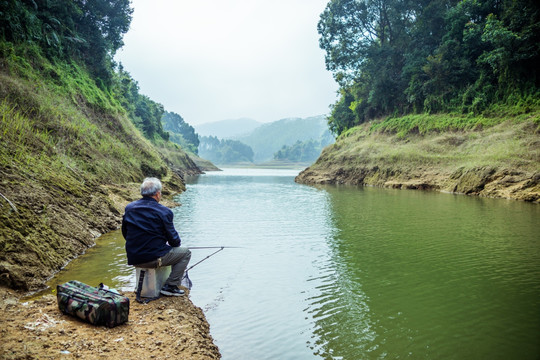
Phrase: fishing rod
(205, 247)
(213, 247)
(212, 254)
(185, 279)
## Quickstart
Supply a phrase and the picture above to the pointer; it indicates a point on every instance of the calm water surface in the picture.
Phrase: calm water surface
(351, 273)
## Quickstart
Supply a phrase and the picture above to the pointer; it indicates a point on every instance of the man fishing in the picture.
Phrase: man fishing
(151, 239)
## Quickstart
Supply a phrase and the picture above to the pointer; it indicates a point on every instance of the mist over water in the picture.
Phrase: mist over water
(351, 273)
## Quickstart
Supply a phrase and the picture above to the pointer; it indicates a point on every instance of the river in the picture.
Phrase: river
(342, 272)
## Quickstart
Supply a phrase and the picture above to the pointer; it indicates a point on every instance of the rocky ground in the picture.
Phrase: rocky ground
(167, 328)
(486, 182)
(163, 329)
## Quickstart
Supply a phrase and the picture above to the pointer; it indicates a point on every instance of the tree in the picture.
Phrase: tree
(181, 132)
(145, 113)
(352, 30)
(514, 38)
(102, 24)
(341, 30)
(342, 116)
(393, 57)
(364, 43)
(224, 151)
(82, 30)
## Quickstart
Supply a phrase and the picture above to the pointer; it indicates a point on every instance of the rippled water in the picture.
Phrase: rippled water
(352, 273)
(257, 297)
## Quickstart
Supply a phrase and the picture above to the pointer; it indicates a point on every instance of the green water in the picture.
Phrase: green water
(434, 276)
(104, 263)
(351, 273)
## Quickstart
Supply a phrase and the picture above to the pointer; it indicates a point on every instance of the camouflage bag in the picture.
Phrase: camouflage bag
(94, 305)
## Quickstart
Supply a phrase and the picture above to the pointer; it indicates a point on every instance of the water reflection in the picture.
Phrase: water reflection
(428, 275)
(106, 263)
(255, 297)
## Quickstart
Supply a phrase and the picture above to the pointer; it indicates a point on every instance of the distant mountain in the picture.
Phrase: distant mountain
(268, 138)
(227, 128)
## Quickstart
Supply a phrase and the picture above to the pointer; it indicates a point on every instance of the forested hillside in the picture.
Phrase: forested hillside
(75, 132)
(225, 151)
(393, 58)
(440, 95)
(293, 140)
(269, 138)
(180, 132)
(306, 151)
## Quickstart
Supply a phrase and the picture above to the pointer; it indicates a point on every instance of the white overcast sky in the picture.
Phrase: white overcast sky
(211, 60)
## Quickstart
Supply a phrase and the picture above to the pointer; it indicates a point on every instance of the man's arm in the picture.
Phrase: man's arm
(170, 232)
(124, 228)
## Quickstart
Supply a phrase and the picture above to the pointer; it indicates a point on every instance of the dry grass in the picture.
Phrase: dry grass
(507, 144)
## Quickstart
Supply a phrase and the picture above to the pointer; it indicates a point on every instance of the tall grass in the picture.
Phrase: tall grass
(426, 123)
(59, 107)
(512, 144)
(61, 138)
(66, 129)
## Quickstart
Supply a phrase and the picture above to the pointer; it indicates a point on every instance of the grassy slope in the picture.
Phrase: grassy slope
(67, 150)
(496, 156)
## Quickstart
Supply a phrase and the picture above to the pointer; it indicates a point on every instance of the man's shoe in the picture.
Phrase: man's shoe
(171, 290)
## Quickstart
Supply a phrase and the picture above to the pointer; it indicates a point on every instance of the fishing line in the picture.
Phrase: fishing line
(215, 252)
(213, 247)
(185, 279)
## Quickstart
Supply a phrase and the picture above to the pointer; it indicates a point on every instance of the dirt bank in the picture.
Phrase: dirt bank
(488, 182)
(71, 159)
(499, 162)
(51, 226)
(165, 328)
(62, 161)
(168, 328)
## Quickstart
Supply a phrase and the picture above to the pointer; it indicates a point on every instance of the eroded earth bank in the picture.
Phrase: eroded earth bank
(163, 329)
(501, 161)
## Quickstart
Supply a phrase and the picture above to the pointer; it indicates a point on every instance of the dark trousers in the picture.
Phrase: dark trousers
(178, 258)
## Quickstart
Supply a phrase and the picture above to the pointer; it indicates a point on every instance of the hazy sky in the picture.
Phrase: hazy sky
(210, 60)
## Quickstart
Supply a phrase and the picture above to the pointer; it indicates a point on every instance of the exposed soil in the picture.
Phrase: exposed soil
(499, 162)
(486, 182)
(167, 328)
(163, 329)
(68, 167)
(50, 227)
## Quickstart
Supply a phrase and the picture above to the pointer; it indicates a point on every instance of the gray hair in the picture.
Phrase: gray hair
(150, 186)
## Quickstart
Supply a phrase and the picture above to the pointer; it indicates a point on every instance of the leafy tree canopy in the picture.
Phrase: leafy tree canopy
(180, 132)
(403, 56)
(224, 151)
(145, 113)
(87, 31)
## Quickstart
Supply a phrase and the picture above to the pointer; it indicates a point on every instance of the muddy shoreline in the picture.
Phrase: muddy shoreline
(165, 328)
(498, 162)
(484, 182)
(170, 327)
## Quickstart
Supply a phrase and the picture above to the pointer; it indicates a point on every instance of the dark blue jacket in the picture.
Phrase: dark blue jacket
(147, 227)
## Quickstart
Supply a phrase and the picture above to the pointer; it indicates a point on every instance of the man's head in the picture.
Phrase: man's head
(151, 187)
